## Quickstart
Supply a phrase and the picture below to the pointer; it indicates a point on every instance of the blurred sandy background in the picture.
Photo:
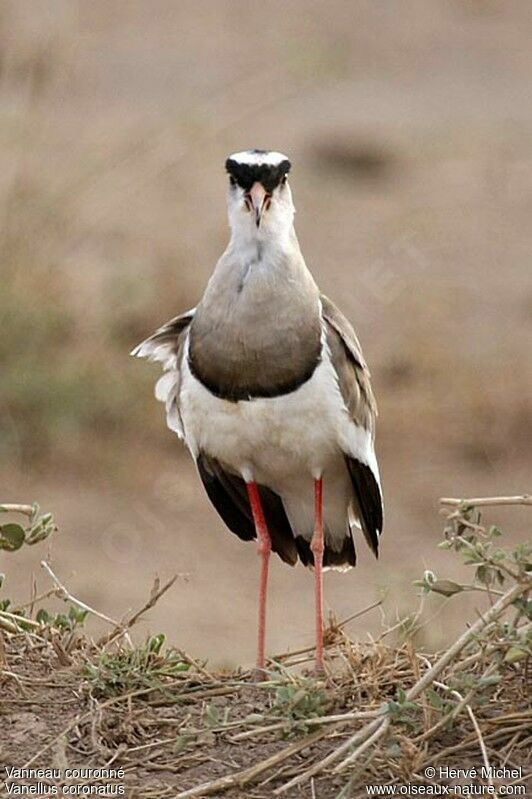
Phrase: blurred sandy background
(409, 125)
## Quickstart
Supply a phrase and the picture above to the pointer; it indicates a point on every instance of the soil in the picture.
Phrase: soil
(199, 727)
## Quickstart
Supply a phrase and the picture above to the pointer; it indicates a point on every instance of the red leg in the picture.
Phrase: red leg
(317, 546)
(264, 549)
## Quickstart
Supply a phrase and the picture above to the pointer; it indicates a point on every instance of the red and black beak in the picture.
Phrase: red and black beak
(257, 201)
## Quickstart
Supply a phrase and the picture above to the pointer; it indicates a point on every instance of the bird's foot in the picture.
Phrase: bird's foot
(259, 674)
(319, 671)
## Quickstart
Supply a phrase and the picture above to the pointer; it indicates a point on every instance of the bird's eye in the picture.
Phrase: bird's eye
(232, 181)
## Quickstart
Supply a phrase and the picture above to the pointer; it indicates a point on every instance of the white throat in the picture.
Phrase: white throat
(276, 229)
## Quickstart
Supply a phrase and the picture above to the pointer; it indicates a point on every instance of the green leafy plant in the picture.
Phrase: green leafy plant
(303, 699)
(494, 565)
(402, 710)
(215, 716)
(75, 617)
(14, 535)
(126, 670)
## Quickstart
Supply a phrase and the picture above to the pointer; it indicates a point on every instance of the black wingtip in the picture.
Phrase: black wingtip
(346, 556)
(368, 502)
(227, 492)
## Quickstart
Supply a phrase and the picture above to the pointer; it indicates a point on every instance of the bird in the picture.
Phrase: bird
(266, 384)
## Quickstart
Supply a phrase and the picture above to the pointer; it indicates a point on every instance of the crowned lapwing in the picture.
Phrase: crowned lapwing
(266, 383)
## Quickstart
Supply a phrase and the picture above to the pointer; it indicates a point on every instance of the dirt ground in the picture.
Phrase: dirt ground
(409, 127)
(161, 731)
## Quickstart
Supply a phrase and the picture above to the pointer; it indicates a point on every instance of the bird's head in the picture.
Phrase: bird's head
(259, 198)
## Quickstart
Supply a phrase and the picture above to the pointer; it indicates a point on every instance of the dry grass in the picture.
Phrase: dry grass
(384, 713)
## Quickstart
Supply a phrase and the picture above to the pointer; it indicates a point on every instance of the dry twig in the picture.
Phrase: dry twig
(480, 502)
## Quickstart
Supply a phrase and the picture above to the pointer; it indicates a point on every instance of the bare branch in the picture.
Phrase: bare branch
(524, 499)
(375, 729)
(155, 595)
(63, 593)
(27, 510)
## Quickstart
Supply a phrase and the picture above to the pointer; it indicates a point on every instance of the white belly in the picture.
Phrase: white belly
(265, 439)
(282, 442)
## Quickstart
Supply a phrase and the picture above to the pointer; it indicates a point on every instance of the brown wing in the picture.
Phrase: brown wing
(348, 360)
(166, 346)
(165, 343)
(355, 387)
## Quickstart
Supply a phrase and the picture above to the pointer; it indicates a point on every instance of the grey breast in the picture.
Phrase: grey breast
(257, 330)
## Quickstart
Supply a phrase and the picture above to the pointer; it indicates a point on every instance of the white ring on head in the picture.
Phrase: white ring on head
(254, 158)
